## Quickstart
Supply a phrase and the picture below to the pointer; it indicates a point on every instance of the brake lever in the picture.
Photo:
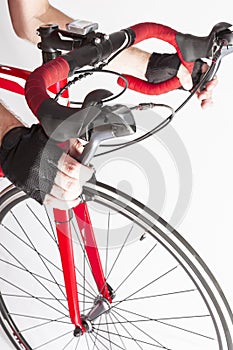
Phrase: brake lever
(101, 133)
(222, 47)
(113, 121)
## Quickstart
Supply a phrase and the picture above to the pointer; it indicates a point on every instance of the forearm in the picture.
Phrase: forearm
(132, 61)
(7, 121)
(27, 16)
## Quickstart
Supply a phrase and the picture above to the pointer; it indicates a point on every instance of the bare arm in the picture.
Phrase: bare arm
(28, 15)
(7, 121)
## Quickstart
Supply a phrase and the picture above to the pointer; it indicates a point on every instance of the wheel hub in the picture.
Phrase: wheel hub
(101, 306)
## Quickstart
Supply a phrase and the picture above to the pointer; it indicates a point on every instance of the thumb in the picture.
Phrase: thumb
(185, 77)
(76, 148)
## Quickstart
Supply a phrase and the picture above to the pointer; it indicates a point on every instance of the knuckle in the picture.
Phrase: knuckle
(71, 167)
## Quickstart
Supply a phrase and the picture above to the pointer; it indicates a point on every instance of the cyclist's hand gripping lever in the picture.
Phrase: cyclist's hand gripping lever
(222, 46)
(189, 49)
(90, 51)
(113, 121)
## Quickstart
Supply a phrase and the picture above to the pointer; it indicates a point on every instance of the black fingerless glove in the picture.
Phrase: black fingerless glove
(29, 160)
(162, 67)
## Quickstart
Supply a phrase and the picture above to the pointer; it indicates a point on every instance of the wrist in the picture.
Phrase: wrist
(7, 122)
(4, 131)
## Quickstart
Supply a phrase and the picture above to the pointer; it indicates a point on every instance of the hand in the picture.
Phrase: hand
(41, 169)
(69, 180)
(204, 96)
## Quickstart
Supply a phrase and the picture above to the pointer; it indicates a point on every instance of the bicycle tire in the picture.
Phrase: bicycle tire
(198, 289)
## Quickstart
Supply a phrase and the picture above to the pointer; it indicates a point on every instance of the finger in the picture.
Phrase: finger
(207, 103)
(204, 95)
(72, 168)
(204, 67)
(66, 182)
(60, 204)
(207, 92)
(185, 77)
(76, 148)
(212, 84)
(59, 193)
(205, 98)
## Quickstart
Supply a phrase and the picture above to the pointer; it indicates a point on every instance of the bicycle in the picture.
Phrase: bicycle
(97, 302)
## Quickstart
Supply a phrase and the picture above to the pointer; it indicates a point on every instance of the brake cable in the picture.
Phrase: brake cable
(161, 125)
(87, 72)
(215, 62)
(142, 106)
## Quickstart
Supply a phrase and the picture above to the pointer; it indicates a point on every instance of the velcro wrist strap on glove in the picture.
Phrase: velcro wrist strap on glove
(162, 67)
(29, 159)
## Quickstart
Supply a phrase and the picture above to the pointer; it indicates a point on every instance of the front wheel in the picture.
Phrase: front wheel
(164, 295)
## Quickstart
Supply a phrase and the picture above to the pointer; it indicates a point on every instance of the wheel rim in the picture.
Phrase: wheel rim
(176, 311)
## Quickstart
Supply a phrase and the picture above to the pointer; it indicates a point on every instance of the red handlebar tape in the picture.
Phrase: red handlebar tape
(147, 88)
(41, 79)
(149, 30)
(57, 70)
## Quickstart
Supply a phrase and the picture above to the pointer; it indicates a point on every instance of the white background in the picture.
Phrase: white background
(207, 134)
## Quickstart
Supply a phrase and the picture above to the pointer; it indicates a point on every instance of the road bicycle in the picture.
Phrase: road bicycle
(110, 273)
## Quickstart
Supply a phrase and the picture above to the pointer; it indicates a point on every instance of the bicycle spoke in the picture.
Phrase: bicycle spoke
(107, 244)
(118, 255)
(77, 344)
(139, 329)
(87, 261)
(54, 240)
(87, 342)
(157, 295)
(118, 346)
(181, 317)
(125, 329)
(146, 285)
(51, 341)
(158, 319)
(44, 264)
(114, 325)
(42, 256)
(42, 324)
(120, 251)
(110, 343)
(69, 342)
(32, 296)
(138, 340)
(28, 297)
(187, 330)
(42, 225)
(94, 342)
(39, 317)
(101, 342)
(135, 268)
(166, 324)
(25, 269)
(96, 335)
(51, 226)
(55, 298)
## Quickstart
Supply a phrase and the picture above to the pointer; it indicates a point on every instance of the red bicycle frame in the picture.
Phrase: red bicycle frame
(63, 217)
